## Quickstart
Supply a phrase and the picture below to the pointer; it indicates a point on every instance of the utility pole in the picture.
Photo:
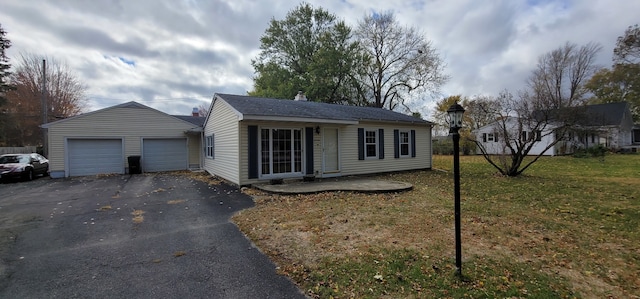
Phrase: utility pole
(43, 99)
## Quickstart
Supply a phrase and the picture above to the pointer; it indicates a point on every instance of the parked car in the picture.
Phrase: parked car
(25, 166)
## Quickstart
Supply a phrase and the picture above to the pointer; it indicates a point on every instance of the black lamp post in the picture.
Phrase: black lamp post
(455, 113)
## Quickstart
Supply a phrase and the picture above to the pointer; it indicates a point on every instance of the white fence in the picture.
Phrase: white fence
(18, 150)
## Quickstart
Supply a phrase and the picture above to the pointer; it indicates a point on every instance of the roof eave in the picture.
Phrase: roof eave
(299, 119)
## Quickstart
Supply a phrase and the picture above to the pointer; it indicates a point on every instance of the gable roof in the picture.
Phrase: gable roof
(277, 109)
(609, 114)
(130, 105)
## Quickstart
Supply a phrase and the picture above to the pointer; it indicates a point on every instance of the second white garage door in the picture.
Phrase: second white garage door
(164, 154)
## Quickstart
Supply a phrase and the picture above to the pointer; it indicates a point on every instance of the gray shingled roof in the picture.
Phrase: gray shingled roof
(196, 120)
(254, 106)
(609, 114)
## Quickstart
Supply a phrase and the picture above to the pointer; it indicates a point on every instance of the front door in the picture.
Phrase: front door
(330, 151)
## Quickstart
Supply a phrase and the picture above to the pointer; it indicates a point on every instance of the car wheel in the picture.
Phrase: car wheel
(29, 175)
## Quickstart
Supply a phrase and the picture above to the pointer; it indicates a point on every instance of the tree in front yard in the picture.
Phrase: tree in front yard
(542, 116)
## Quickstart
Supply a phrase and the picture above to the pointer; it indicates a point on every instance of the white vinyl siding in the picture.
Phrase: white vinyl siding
(350, 165)
(223, 124)
(129, 124)
(495, 144)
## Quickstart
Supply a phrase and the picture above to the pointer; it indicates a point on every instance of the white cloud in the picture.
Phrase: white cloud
(185, 51)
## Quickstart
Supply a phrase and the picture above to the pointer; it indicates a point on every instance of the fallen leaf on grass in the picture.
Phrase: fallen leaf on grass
(175, 201)
(179, 253)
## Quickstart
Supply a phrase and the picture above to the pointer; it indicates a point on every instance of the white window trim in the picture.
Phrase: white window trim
(208, 148)
(377, 144)
(490, 137)
(279, 175)
(408, 132)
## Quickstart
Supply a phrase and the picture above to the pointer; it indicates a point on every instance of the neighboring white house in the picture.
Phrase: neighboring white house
(101, 141)
(609, 125)
(494, 143)
(249, 140)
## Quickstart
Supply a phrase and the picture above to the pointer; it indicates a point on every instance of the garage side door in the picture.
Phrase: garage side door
(164, 154)
(95, 156)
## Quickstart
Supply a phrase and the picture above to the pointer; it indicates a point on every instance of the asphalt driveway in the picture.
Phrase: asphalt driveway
(140, 236)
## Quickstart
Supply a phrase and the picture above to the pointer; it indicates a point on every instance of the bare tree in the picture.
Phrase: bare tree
(401, 62)
(65, 97)
(481, 111)
(520, 126)
(203, 109)
(559, 78)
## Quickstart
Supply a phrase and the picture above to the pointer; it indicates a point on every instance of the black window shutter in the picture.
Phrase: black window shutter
(360, 144)
(308, 134)
(495, 137)
(253, 152)
(396, 144)
(381, 143)
(413, 143)
(484, 137)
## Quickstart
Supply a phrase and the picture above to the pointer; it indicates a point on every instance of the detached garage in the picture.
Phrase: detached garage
(99, 142)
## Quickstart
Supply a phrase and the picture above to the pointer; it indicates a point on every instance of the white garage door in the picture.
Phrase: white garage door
(164, 154)
(95, 156)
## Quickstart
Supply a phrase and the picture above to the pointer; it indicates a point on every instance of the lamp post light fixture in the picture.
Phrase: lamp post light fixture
(455, 113)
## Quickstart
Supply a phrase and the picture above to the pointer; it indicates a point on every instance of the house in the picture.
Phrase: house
(101, 141)
(609, 125)
(493, 140)
(249, 140)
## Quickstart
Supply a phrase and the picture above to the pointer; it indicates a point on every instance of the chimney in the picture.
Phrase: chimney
(300, 97)
(195, 112)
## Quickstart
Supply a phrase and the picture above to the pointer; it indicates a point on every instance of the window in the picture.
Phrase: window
(208, 148)
(280, 151)
(490, 137)
(404, 144)
(528, 136)
(370, 144)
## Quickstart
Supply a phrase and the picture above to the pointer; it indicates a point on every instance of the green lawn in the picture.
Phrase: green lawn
(566, 228)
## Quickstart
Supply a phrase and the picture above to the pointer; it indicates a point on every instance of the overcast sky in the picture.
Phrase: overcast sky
(173, 55)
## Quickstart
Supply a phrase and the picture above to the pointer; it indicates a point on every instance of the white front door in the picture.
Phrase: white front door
(330, 151)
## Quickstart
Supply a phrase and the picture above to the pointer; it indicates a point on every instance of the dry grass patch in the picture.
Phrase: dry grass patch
(105, 208)
(548, 234)
(203, 176)
(175, 201)
(138, 216)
